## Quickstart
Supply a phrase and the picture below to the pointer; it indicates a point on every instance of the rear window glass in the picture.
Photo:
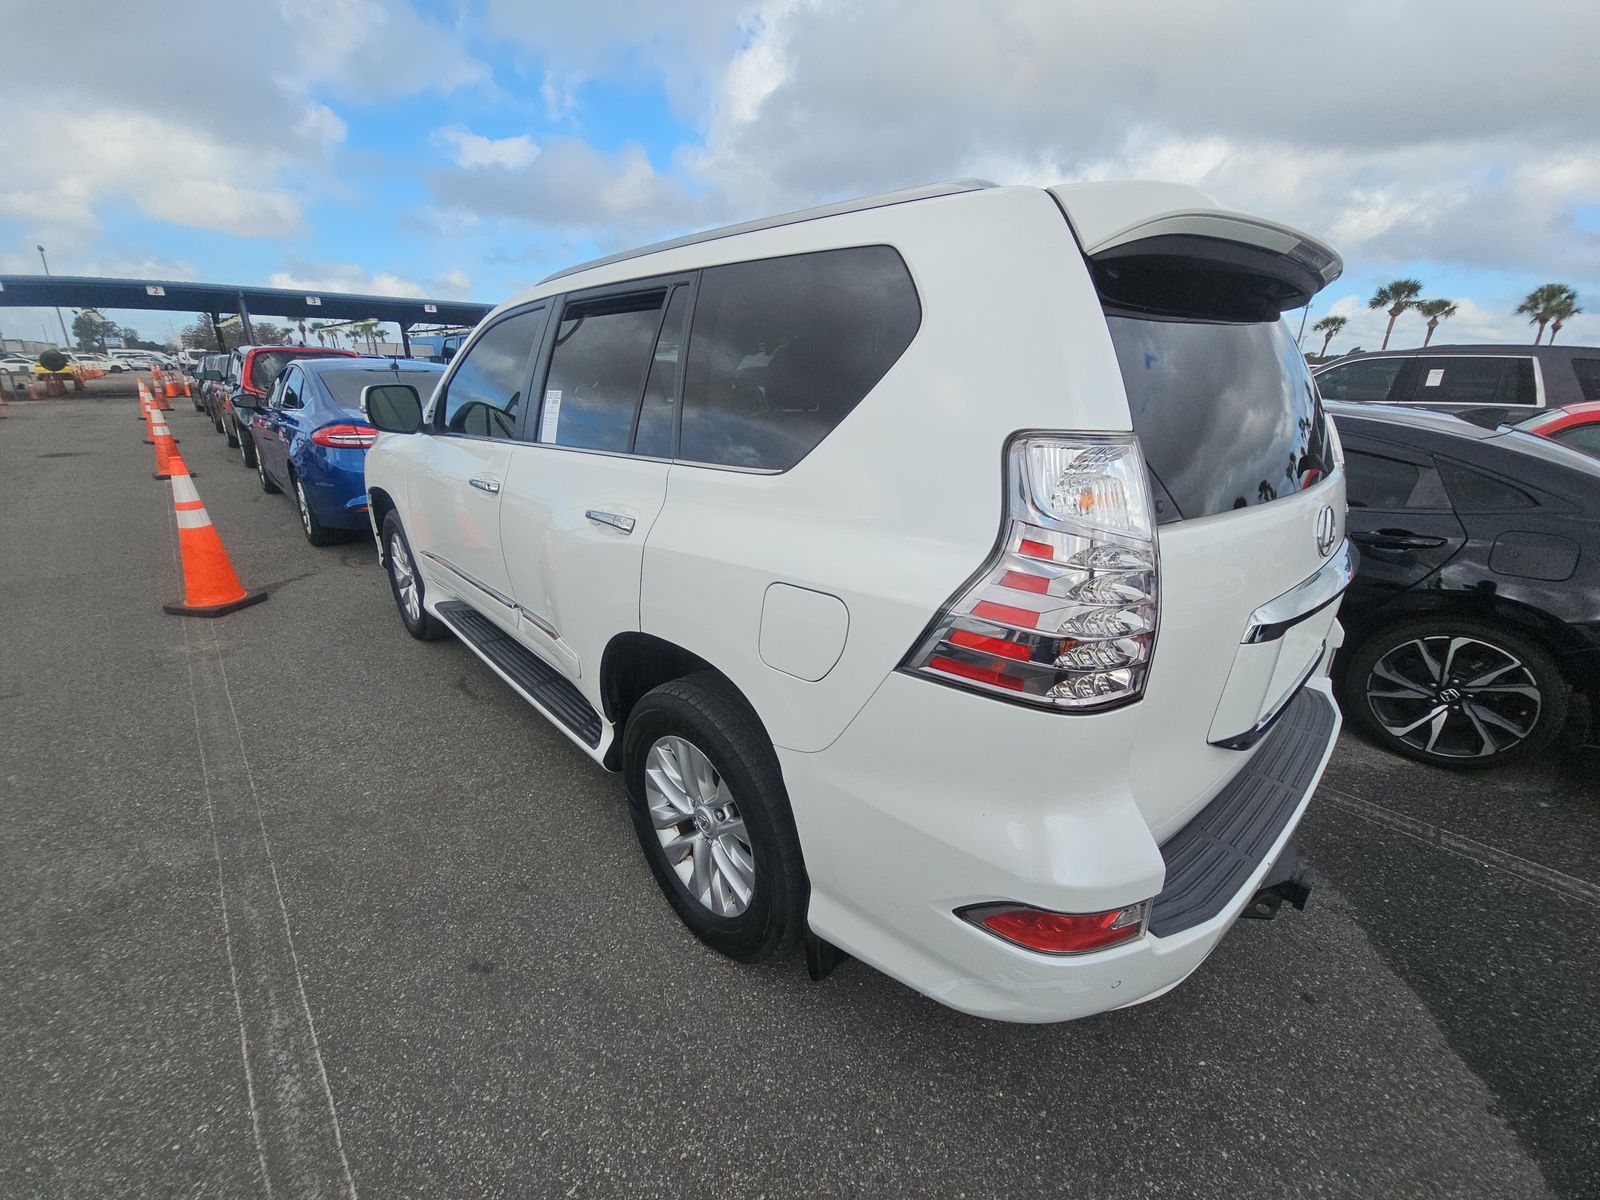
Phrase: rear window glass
(1368, 381)
(267, 365)
(1226, 414)
(345, 386)
(782, 349)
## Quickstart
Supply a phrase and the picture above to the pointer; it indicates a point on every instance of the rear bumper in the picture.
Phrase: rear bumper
(918, 810)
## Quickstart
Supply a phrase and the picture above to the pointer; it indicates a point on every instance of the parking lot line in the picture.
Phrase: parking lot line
(1537, 874)
(298, 1140)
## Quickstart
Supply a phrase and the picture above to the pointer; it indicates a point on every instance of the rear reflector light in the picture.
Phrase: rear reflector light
(346, 436)
(1060, 933)
(1064, 616)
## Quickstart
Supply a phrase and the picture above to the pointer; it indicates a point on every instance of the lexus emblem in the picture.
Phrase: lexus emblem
(1327, 531)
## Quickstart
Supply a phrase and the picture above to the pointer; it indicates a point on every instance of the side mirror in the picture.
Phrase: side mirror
(246, 400)
(392, 407)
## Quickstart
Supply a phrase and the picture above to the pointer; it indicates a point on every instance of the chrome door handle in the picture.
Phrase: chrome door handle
(616, 520)
(484, 484)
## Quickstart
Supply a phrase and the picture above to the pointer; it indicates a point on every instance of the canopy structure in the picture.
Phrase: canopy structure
(214, 299)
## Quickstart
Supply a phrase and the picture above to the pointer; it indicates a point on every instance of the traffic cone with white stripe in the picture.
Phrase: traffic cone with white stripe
(168, 461)
(210, 586)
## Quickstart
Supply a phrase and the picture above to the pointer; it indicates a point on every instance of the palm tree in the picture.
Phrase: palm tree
(1329, 328)
(1396, 296)
(1538, 305)
(1562, 310)
(1435, 311)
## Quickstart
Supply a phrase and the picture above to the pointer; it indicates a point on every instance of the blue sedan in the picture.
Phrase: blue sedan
(311, 438)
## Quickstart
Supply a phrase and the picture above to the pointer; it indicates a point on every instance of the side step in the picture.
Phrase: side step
(526, 670)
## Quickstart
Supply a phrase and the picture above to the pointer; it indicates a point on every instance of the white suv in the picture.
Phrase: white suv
(950, 574)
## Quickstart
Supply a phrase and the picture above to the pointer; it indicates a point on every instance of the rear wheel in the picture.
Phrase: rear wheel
(229, 430)
(406, 584)
(247, 448)
(1455, 692)
(316, 532)
(713, 818)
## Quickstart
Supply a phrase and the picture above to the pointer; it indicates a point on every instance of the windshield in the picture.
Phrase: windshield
(345, 386)
(1226, 414)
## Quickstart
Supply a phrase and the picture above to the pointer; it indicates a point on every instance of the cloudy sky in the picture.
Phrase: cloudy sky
(414, 147)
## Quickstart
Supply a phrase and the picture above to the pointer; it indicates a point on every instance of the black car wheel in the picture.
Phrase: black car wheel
(267, 485)
(713, 817)
(247, 449)
(1455, 692)
(316, 532)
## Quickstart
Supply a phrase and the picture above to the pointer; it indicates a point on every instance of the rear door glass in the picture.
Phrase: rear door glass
(1480, 380)
(597, 370)
(1226, 414)
(1377, 481)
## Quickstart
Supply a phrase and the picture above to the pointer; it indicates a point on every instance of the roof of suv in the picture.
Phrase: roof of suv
(1519, 349)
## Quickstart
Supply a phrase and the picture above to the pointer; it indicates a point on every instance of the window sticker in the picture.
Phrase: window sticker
(1435, 377)
(550, 416)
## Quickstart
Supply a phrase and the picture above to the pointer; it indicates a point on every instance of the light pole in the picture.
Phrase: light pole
(66, 342)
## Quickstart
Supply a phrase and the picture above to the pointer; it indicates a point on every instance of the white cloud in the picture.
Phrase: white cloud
(346, 277)
(453, 284)
(559, 91)
(473, 150)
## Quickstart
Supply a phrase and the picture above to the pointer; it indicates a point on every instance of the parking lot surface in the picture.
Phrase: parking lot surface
(292, 904)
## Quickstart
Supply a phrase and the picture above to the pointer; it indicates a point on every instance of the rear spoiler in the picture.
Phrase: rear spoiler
(1171, 250)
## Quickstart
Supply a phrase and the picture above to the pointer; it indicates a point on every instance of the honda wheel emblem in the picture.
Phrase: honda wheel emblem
(1327, 531)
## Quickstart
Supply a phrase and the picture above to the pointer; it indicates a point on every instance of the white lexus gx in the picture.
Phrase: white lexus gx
(951, 574)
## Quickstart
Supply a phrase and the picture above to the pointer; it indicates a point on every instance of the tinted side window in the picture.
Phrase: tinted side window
(1588, 373)
(1475, 492)
(1581, 437)
(598, 368)
(1366, 380)
(1518, 387)
(485, 395)
(658, 411)
(1460, 380)
(1373, 481)
(782, 349)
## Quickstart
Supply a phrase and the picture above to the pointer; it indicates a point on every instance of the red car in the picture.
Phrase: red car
(251, 372)
(1576, 425)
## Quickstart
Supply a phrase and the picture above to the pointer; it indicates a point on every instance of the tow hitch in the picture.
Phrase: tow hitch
(1289, 881)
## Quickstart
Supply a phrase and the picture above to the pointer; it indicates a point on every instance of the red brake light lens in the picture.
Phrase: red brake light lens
(347, 437)
(1060, 933)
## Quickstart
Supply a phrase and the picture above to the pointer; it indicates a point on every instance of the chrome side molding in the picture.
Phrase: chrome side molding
(1308, 597)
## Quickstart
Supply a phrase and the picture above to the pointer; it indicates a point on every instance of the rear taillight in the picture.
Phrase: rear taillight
(1060, 933)
(1064, 615)
(348, 436)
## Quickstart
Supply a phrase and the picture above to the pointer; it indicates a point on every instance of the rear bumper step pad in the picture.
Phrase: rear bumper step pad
(1211, 857)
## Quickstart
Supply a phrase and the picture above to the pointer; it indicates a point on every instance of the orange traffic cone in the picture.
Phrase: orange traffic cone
(187, 395)
(144, 399)
(168, 461)
(210, 586)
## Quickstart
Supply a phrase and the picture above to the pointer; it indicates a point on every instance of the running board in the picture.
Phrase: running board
(523, 669)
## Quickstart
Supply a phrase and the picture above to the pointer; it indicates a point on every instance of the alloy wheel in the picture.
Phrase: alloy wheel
(700, 827)
(405, 579)
(300, 503)
(1454, 697)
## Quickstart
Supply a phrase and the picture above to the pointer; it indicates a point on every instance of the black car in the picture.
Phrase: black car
(1502, 383)
(1475, 612)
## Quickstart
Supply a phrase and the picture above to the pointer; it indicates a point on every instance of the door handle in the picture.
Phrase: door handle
(1396, 539)
(485, 484)
(619, 521)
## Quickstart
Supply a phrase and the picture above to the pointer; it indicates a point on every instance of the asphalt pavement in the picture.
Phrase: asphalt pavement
(293, 905)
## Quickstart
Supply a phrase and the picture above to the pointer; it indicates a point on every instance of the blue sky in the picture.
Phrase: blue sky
(465, 149)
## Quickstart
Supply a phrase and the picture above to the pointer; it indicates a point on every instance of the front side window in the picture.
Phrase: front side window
(486, 395)
(598, 368)
(1391, 484)
(1365, 380)
(782, 349)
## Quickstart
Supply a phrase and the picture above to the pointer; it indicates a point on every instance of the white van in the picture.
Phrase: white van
(950, 574)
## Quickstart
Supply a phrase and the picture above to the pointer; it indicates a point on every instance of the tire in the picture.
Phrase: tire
(230, 431)
(419, 622)
(1388, 684)
(705, 713)
(247, 449)
(316, 532)
(267, 485)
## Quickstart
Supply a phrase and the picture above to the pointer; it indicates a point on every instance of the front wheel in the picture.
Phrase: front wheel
(406, 583)
(1455, 692)
(267, 485)
(713, 817)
